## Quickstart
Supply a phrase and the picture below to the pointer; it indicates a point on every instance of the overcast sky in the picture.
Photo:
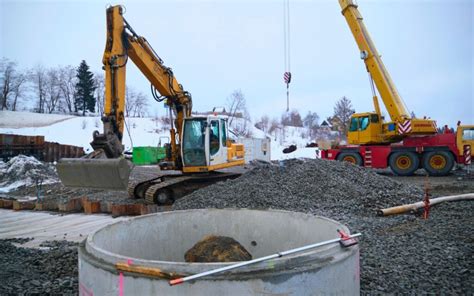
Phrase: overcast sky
(215, 47)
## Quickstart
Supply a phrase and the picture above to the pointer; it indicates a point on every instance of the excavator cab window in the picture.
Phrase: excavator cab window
(194, 153)
(224, 132)
(214, 137)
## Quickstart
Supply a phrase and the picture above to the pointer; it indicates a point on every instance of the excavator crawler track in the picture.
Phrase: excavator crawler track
(164, 190)
(162, 193)
(137, 189)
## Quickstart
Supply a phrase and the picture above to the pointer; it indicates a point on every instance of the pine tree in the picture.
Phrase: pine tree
(84, 99)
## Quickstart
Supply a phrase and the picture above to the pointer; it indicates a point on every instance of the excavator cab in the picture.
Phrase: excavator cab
(205, 145)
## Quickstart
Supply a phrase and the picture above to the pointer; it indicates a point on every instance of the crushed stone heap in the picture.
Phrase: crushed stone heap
(306, 185)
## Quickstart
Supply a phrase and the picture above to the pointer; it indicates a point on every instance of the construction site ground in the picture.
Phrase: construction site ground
(399, 254)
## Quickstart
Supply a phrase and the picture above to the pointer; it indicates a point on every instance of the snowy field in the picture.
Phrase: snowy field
(74, 130)
(16, 120)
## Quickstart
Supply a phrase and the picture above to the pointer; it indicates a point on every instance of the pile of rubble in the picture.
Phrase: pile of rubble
(23, 171)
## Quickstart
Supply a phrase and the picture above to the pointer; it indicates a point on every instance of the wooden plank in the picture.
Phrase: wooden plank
(23, 205)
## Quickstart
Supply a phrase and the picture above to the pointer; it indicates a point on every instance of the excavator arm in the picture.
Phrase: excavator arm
(123, 43)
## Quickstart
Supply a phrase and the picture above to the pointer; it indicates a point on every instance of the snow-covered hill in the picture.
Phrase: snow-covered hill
(15, 119)
(75, 130)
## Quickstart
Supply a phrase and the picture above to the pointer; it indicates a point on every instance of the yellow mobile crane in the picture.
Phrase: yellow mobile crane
(404, 143)
(198, 145)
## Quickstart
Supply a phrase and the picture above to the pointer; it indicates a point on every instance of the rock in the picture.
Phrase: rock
(217, 249)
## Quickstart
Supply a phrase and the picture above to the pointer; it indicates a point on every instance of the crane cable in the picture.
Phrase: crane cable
(286, 50)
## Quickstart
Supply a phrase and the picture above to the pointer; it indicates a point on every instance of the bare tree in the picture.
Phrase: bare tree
(311, 122)
(99, 80)
(18, 88)
(292, 118)
(263, 123)
(140, 105)
(237, 108)
(67, 83)
(38, 78)
(236, 105)
(135, 103)
(7, 73)
(343, 110)
(53, 90)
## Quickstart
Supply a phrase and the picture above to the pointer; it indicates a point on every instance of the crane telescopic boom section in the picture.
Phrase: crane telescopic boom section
(379, 75)
(392, 100)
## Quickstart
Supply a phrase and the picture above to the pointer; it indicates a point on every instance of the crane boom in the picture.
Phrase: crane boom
(369, 127)
(390, 96)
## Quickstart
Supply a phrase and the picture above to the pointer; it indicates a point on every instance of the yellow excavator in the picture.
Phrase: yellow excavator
(199, 145)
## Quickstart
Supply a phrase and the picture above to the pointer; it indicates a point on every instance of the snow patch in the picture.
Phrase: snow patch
(25, 171)
(15, 119)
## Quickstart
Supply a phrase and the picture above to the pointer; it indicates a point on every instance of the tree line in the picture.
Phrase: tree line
(61, 89)
(339, 121)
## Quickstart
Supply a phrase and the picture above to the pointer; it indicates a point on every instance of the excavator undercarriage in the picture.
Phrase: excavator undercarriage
(164, 190)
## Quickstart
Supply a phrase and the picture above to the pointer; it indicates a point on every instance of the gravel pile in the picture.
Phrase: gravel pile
(52, 271)
(399, 254)
(312, 185)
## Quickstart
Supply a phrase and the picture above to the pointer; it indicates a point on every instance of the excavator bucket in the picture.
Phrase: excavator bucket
(110, 174)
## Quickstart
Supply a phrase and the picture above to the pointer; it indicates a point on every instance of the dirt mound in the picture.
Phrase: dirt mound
(217, 249)
(25, 171)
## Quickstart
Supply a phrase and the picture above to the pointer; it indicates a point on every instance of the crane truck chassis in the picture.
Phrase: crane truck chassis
(436, 154)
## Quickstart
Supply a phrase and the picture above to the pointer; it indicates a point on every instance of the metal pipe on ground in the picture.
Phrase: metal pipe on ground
(414, 206)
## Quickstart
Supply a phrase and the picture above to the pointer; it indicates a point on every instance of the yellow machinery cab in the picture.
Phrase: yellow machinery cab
(465, 136)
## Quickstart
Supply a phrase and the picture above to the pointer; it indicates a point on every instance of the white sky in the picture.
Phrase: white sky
(215, 47)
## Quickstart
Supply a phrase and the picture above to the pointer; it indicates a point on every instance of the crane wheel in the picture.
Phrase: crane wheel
(352, 157)
(404, 163)
(438, 163)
